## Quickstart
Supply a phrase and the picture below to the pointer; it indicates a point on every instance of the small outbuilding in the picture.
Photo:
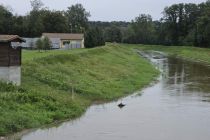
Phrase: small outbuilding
(65, 40)
(10, 58)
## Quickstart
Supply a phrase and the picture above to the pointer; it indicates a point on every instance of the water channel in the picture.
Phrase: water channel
(177, 107)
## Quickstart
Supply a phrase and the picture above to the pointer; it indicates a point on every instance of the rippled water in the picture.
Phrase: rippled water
(175, 108)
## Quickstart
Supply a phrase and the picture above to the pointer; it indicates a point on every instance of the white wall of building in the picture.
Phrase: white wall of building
(11, 74)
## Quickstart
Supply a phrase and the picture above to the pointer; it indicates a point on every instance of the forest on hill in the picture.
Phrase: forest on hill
(181, 24)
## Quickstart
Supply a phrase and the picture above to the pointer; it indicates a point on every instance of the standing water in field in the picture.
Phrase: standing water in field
(177, 107)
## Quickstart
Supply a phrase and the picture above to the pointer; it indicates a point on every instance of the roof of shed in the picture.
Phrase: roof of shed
(64, 36)
(10, 38)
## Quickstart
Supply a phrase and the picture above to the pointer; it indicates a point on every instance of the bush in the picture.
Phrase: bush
(44, 44)
(94, 37)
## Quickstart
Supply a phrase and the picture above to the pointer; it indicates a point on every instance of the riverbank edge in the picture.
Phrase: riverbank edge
(61, 121)
(19, 135)
(182, 52)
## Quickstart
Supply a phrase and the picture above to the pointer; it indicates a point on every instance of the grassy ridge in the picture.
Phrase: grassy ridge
(192, 53)
(99, 74)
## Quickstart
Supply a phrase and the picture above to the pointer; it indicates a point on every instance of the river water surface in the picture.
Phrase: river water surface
(177, 107)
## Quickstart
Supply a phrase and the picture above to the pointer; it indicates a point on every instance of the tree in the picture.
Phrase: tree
(94, 37)
(35, 23)
(36, 5)
(54, 21)
(180, 22)
(35, 18)
(39, 44)
(43, 44)
(77, 18)
(113, 34)
(203, 26)
(171, 19)
(141, 30)
(6, 23)
(47, 45)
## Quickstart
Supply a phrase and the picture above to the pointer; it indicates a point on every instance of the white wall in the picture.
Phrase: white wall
(30, 42)
(11, 74)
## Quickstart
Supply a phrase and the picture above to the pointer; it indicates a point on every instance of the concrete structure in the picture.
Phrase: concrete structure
(11, 74)
(10, 58)
(65, 40)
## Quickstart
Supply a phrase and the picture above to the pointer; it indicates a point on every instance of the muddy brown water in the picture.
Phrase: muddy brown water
(175, 108)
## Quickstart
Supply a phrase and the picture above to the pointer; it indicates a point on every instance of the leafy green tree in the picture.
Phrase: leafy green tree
(89, 39)
(143, 30)
(35, 18)
(47, 45)
(94, 38)
(171, 18)
(180, 22)
(35, 23)
(203, 26)
(39, 44)
(113, 34)
(77, 18)
(54, 21)
(5, 20)
(43, 44)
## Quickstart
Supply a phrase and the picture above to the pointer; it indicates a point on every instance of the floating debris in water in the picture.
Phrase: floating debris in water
(121, 105)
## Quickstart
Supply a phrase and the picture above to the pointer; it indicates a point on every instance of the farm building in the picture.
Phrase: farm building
(10, 58)
(65, 40)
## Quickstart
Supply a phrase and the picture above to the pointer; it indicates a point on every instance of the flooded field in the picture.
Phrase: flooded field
(177, 107)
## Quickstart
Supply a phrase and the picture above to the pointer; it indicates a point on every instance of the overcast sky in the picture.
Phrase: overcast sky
(103, 10)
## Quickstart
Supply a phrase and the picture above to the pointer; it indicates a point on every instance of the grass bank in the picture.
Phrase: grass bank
(191, 53)
(45, 96)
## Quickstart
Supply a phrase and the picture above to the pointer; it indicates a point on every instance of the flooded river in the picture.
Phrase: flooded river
(177, 107)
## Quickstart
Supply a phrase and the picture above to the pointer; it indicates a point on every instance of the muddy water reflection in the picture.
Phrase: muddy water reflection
(175, 108)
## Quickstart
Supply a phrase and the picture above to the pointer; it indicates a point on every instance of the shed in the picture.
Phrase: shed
(10, 58)
(10, 50)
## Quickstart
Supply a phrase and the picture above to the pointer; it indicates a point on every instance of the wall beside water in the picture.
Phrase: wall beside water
(11, 74)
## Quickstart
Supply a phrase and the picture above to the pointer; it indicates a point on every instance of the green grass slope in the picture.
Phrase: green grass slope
(45, 96)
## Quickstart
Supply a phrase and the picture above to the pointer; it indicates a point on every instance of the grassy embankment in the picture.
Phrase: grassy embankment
(191, 53)
(45, 96)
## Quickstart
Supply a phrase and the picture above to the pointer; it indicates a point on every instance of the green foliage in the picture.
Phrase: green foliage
(47, 45)
(39, 44)
(9, 87)
(113, 34)
(187, 24)
(5, 20)
(43, 44)
(203, 26)
(94, 37)
(77, 18)
(55, 22)
(181, 24)
(45, 96)
(41, 19)
(142, 29)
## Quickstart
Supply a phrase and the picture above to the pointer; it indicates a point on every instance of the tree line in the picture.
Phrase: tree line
(40, 19)
(181, 24)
